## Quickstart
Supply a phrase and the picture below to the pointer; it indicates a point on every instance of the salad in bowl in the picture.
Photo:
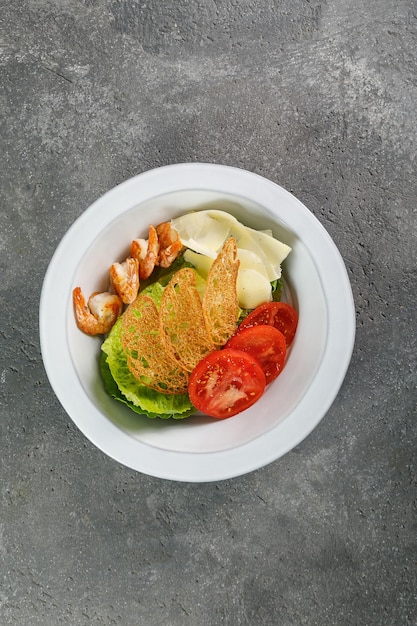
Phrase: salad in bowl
(204, 326)
(190, 294)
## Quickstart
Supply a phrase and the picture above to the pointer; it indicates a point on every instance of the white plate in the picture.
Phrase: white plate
(199, 449)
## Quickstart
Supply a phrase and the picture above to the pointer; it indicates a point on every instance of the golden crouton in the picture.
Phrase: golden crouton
(220, 302)
(183, 328)
(146, 356)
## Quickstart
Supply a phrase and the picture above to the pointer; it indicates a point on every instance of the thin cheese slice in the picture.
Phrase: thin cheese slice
(201, 262)
(253, 286)
(202, 231)
(275, 251)
(253, 289)
(246, 241)
(205, 232)
(248, 260)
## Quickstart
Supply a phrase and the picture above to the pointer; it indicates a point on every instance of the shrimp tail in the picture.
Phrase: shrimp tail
(99, 314)
(170, 244)
(147, 253)
(124, 279)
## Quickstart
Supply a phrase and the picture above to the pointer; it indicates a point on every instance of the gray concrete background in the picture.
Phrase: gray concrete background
(321, 98)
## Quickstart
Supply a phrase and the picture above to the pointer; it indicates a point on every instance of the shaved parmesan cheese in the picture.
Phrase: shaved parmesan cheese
(202, 231)
(201, 262)
(260, 254)
(275, 251)
(253, 289)
(250, 261)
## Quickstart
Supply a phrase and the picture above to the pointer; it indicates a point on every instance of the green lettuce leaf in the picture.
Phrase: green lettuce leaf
(120, 383)
(113, 390)
(276, 290)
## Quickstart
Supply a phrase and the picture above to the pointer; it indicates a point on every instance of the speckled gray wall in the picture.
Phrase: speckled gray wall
(319, 97)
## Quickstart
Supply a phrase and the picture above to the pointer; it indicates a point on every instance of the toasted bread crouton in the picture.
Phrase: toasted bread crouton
(183, 329)
(220, 302)
(147, 358)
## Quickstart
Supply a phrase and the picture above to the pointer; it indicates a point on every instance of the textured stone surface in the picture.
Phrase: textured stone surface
(319, 97)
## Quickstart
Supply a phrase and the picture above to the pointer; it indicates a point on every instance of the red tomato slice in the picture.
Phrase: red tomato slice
(266, 344)
(278, 314)
(226, 382)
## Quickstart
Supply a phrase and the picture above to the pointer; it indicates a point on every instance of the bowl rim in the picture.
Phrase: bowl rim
(264, 449)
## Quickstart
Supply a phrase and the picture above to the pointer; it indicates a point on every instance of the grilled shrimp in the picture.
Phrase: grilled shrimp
(98, 315)
(124, 279)
(146, 251)
(169, 244)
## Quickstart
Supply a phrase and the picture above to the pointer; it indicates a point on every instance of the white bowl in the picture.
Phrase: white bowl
(200, 449)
